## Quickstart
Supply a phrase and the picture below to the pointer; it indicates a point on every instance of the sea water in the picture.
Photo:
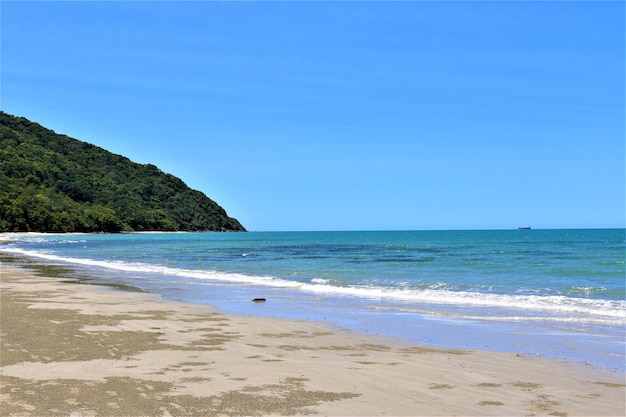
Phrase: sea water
(555, 293)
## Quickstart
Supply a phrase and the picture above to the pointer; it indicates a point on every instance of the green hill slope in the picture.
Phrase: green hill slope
(53, 183)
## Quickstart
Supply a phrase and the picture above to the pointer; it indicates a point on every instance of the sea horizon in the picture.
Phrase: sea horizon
(487, 229)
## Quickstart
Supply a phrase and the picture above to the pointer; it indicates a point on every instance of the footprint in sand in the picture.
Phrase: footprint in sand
(489, 384)
(489, 402)
(441, 386)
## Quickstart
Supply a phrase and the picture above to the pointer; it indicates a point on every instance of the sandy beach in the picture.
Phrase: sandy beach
(84, 350)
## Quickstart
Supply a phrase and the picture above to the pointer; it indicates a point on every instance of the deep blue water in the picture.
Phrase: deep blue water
(558, 293)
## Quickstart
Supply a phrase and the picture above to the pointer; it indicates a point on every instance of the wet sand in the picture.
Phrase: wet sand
(84, 350)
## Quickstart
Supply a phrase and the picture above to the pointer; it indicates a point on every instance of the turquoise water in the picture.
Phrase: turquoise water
(550, 292)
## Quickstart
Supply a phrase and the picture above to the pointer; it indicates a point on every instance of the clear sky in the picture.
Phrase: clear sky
(343, 115)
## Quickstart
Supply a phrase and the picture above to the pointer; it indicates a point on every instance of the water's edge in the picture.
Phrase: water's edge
(590, 349)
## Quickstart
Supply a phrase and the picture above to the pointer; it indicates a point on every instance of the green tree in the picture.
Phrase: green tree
(53, 183)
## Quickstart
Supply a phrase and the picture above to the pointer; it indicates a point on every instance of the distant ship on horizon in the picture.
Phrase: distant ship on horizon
(524, 228)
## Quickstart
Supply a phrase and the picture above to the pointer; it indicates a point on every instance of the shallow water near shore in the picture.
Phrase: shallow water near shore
(554, 293)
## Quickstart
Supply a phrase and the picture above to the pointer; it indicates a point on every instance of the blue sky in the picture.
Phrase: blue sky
(343, 115)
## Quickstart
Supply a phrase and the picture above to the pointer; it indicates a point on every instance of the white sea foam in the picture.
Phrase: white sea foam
(567, 308)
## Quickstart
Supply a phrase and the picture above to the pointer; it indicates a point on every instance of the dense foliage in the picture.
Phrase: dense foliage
(53, 183)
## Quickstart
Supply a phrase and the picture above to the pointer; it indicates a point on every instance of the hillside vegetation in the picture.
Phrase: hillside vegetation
(53, 183)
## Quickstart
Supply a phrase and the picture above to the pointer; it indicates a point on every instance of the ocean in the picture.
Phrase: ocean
(553, 293)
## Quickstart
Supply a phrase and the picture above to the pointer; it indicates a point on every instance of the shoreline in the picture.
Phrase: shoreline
(596, 344)
(75, 349)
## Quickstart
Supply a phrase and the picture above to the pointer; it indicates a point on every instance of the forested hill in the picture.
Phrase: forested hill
(53, 183)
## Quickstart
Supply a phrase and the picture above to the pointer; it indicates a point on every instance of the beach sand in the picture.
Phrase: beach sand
(84, 350)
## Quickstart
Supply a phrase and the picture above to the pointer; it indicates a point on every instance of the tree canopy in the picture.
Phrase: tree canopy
(53, 183)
